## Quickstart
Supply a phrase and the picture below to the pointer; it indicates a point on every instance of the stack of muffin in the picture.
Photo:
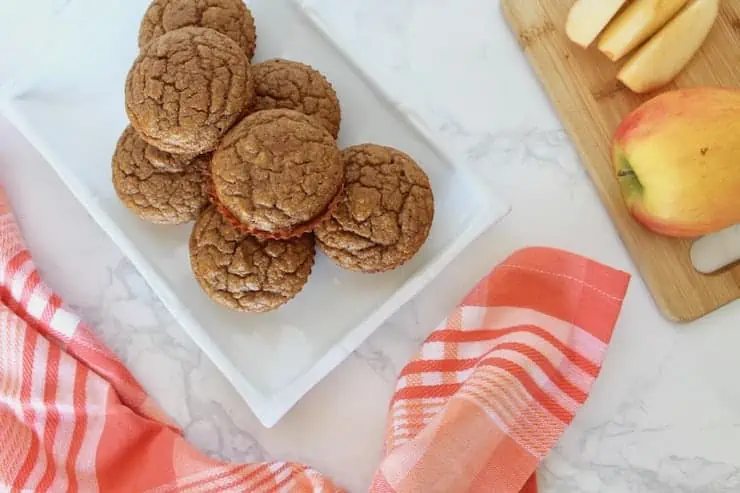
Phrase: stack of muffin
(249, 152)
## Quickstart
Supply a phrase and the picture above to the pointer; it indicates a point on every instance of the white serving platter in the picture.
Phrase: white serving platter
(69, 104)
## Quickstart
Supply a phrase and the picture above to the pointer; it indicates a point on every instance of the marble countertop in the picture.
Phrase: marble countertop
(664, 416)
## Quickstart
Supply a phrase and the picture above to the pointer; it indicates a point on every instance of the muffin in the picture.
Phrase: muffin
(186, 89)
(293, 85)
(277, 173)
(245, 273)
(156, 194)
(229, 17)
(384, 215)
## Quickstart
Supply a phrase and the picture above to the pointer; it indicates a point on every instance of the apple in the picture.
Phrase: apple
(677, 160)
(640, 20)
(587, 18)
(667, 53)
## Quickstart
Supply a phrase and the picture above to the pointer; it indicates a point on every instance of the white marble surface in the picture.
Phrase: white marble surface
(664, 416)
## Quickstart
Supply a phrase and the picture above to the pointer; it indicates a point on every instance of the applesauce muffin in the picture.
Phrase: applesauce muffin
(156, 194)
(277, 173)
(296, 86)
(384, 215)
(186, 89)
(229, 17)
(245, 273)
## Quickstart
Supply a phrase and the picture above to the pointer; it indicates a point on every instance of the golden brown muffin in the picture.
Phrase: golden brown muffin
(229, 17)
(186, 89)
(277, 173)
(153, 193)
(245, 273)
(296, 86)
(384, 215)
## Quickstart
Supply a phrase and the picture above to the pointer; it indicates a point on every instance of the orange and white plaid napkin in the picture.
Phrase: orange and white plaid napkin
(487, 398)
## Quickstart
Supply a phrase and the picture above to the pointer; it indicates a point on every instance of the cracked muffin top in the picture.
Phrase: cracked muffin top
(277, 172)
(384, 214)
(156, 194)
(245, 273)
(296, 86)
(186, 89)
(229, 17)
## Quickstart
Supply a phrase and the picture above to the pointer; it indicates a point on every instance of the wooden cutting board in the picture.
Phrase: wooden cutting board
(582, 86)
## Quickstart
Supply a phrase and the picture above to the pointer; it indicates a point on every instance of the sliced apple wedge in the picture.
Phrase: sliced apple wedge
(640, 20)
(587, 18)
(662, 58)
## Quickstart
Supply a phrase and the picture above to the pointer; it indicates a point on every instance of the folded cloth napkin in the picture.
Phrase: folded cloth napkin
(490, 393)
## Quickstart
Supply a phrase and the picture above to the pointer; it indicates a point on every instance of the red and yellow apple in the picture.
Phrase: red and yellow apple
(677, 159)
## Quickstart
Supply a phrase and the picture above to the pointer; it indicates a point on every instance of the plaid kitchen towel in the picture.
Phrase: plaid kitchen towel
(488, 396)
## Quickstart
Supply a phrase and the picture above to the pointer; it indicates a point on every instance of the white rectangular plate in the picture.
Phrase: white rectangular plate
(70, 106)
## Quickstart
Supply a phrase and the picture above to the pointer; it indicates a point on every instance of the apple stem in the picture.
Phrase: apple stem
(625, 172)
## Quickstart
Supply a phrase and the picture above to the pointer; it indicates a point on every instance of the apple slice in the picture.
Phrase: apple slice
(662, 58)
(640, 20)
(587, 18)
